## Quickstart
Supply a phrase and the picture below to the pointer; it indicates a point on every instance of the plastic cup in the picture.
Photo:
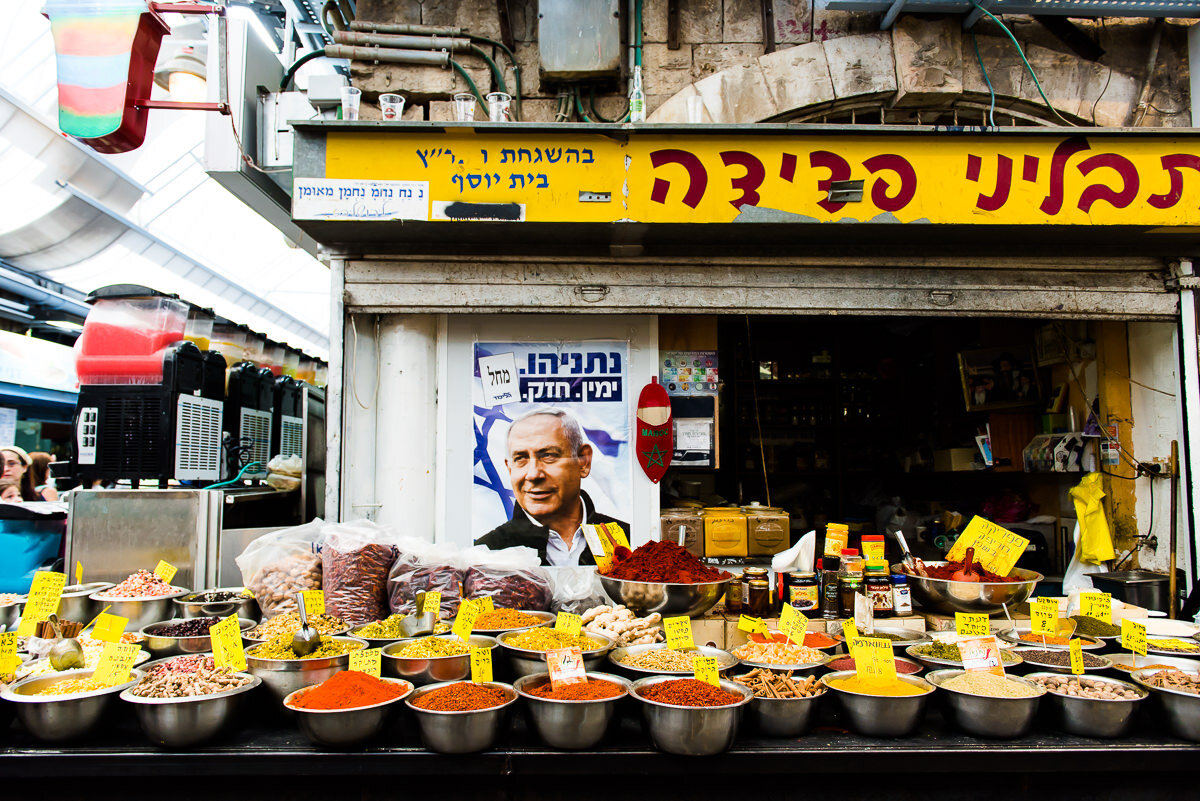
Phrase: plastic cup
(351, 97)
(464, 107)
(498, 107)
(391, 106)
(92, 44)
(695, 109)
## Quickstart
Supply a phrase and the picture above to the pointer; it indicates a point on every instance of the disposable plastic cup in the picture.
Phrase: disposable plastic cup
(464, 107)
(695, 109)
(499, 104)
(92, 44)
(391, 106)
(351, 98)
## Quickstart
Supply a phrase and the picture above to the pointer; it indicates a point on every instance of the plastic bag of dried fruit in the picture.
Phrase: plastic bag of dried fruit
(513, 577)
(355, 561)
(423, 567)
(278, 565)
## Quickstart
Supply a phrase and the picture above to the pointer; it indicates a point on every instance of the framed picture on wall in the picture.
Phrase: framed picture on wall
(998, 378)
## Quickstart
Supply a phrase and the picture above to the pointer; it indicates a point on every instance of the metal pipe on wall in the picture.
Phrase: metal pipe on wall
(419, 30)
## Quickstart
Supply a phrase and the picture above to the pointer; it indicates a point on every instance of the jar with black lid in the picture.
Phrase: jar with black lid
(803, 591)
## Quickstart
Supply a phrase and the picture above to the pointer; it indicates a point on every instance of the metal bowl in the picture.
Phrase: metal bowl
(245, 606)
(434, 669)
(58, 718)
(284, 676)
(785, 717)
(1123, 663)
(1088, 643)
(1032, 666)
(986, 716)
(947, 597)
(570, 725)
(525, 662)
(76, 603)
(802, 667)
(689, 730)
(933, 663)
(461, 732)
(881, 715)
(1182, 710)
(906, 637)
(669, 600)
(1150, 649)
(345, 632)
(162, 646)
(383, 642)
(725, 660)
(338, 728)
(29, 665)
(140, 611)
(546, 618)
(10, 614)
(1092, 717)
(917, 667)
(186, 721)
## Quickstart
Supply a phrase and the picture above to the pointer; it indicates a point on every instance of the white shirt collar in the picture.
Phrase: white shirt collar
(557, 553)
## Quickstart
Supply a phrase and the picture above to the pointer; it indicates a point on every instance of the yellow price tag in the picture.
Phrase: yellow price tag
(570, 623)
(1077, 656)
(602, 541)
(970, 625)
(481, 664)
(226, 639)
(1133, 636)
(874, 658)
(109, 628)
(314, 601)
(1096, 605)
(464, 622)
(753, 625)
(115, 663)
(44, 593)
(165, 571)
(367, 660)
(704, 668)
(836, 537)
(9, 661)
(79, 572)
(679, 632)
(850, 634)
(1042, 615)
(995, 546)
(431, 601)
(487, 604)
(247, 592)
(792, 624)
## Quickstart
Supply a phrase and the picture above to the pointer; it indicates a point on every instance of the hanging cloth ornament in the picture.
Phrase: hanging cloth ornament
(655, 441)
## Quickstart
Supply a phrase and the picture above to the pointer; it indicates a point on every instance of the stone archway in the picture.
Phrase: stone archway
(917, 64)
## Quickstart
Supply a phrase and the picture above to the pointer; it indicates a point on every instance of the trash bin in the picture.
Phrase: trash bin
(31, 535)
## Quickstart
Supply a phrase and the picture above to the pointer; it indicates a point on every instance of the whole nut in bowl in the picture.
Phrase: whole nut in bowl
(461, 717)
(1090, 707)
(341, 727)
(187, 700)
(691, 729)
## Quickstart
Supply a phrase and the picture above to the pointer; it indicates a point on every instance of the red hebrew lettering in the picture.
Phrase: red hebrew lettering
(697, 176)
(787, 167)
(1004, 169)
(1174, 164)
(748, 183)
(1058, 166)
(879, 190)
(1119, 198)
(839, 170)
(1029, 169)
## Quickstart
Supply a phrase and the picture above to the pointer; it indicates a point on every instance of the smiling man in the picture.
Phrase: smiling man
(547, 459)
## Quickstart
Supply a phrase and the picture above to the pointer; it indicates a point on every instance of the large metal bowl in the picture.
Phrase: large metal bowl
(1092, 717)
(933, 663)
(461, 732)
(847, 663)
(1086, 643)
(881, 715)
(76, 603)
(434, 669)
(58, 718)
(284, 676)
(987, 716)
(10, 614)
(192, 719)
(544, 618)
(669, 600)
(1150, 649)
(140, 611)
(570, 725)
(525, 662)
(1037, 666)
(690, 730)
(193, 605)
(1124, 663)
(162, 646)
(1182, 710)
(990, 597)
(339, 728)
(785, 717)
(725, 660)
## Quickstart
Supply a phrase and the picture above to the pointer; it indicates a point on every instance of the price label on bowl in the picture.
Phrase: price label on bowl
(1077, 656)
(44, 593)
(792, 624)
(569, 623)
(464, 622)
(9, 661)
(109, 628)
(1042, 614)
(874, 658)
(115, 663)
(982, 654)
(1096, 605)
(753, 625)
(314, 601)
(431, 601)
(1133, 636)
(967, 624)
(165, 570)
(705, 669)
(566, 667)
(367, 660)
(679, 633)
(997, 548)
(481, 664)
(226, 639)
(849, 634)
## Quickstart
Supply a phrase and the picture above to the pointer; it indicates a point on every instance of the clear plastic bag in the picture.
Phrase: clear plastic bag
(575, 589)
(513, 577)
(278, 565)
(355, 560)
(424, 566)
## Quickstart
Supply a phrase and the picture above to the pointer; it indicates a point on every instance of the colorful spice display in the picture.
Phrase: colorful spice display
(688, 692)
(195, 627)
(1182, 646)
(464, 696)
(1060, 658)
(771, 684)
(590, 690)
(857, 684)
(289, 623)
(1091, 627)
(1043, 639)
(1172, 679)
(389, 628)
(349, 689)
(281, 648)
(847, 663)
(981, 682)
(778, 653)
(431, 647)
(662, 561)
(623, 626)
(188, 676)
(966, 570)
(72, 687)
(505, 619)
(665, 659)
(142, 584)
(949, 652)
(812, 639)
(544, 639)
(1086, 688)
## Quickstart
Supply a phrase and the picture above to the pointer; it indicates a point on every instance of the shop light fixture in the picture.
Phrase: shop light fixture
(181, 67)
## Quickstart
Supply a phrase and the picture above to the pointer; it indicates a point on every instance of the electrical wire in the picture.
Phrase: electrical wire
(579, 105)
(246, 156)
(470, 84)
(290, 72)
(991, 89)
(516, 68)
(354, 365)
(1028, 66)
(236, 478)
(597, 115)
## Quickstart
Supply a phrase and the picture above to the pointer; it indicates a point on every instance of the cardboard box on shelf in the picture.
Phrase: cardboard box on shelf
(954, 459)
(709, 630)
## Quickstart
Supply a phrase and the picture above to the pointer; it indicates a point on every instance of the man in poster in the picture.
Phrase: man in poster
(547, 459)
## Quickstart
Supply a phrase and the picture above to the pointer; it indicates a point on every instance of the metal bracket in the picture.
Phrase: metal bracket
(846, 191)
(591, 293)
(594, 197)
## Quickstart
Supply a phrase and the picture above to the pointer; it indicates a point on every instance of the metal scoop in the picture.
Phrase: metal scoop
(914, 565)
(307, 639)
(418, 625)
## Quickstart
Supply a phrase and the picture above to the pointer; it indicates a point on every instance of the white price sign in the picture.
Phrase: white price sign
(336, 199)
(499, 376)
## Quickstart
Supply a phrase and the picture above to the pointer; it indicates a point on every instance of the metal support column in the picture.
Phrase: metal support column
(334, 386)
(1189, 406)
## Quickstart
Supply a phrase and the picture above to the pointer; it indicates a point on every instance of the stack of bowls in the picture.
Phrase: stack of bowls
(881, 715)
(1181, 709)
(987, 716)
(691, 730)
(461, 732)
(139, 611)
(432, 669)
(194, 605)
(669, 600)
(525, 662)
(1092, 717)
(570, 725)
(189, 720)
(339, 728)
(725, 660)
(284, 676)
(59, 718)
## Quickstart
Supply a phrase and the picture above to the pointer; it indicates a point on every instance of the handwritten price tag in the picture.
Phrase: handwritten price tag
(850, 634)
(603, 540)
(1042, 614)
(874, 659)
(679, 633)
(44, 593)
(1077, 657)
(970, 625)
(481, 665)
(109, 628)
(704, 669)
(9, 661)
(487, 604)
(165, 571)
(314, 601)
(570, 624)
(1133, 636)
(1096, 605)
(431, 601)
(995, 546)
(464, 623)
(566, 667)
(115, 663)
(367, 660)
(752, 625)
(983, 654)
(227, 644)
(792, 624)
(79, 572)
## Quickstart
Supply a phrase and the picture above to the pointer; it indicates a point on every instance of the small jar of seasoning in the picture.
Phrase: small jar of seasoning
(879, 588)
(803, 591)
(759, 599)
(733, 595)
(848, 587)
(901, 595)
(751, 574)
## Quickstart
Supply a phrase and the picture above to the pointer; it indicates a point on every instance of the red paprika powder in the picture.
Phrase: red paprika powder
(659, 560)
(464, 696)
(688, 692)
(590, 690)
(349, 689)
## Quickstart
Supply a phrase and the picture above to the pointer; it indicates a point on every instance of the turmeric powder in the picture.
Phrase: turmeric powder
(857, 684)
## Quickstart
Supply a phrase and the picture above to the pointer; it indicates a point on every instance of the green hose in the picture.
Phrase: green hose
(516, 68)
(597, 115)
(470, 84)
(579, 105)
(290, 72)
(496, 73)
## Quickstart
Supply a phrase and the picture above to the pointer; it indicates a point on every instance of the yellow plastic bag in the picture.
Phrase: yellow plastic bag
(1095, 541)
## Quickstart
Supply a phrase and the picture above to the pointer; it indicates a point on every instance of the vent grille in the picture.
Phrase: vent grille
(198, 439)
(256, 427)
(291, 436)
(132, 441)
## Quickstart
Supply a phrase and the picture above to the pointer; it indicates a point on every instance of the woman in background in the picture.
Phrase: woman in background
(39, 470)
(16, 467)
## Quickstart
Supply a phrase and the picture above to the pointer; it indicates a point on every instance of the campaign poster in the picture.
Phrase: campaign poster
(587, 380)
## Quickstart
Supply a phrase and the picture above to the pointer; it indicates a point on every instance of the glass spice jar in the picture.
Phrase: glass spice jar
(751, 574)
(758, 602)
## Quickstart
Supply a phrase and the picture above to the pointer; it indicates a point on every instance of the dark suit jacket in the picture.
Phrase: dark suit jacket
(522, 531)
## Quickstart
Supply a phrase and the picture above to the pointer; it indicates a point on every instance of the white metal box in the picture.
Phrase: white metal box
(579, 38)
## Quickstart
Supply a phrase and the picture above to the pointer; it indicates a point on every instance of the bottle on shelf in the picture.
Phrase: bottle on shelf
(637, 97)
(901, 595)
(829, 587)
(879, 588)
